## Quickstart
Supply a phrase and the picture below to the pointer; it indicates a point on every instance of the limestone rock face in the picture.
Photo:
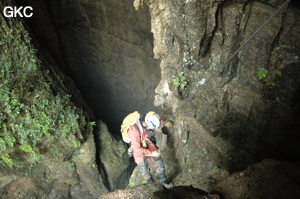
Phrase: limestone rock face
(196, 37)
(114, 158)
(280, 175)
(157, 192)
(91, 183)
(51, 179)
(237, 118)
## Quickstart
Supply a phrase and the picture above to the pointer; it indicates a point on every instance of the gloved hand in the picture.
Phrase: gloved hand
(168, 124)
(156, 154)
(145, 143)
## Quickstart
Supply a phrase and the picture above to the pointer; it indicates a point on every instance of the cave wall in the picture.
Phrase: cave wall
(236, 119)
(106, 48)
(199, 36)
(46, 136)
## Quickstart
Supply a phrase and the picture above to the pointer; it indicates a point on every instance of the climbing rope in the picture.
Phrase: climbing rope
(227, 61)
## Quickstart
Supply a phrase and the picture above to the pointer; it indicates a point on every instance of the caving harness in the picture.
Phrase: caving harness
(135, 120)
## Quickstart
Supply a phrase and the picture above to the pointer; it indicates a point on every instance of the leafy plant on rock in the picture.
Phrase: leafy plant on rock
(180, 81)
(263, 74)
(32, 118)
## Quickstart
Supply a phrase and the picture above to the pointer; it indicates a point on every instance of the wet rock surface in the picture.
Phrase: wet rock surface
(237, 138)
(237, 119)
(56, 178)
(155, 191)
(235, 105)
(113, 157)
(266, 179)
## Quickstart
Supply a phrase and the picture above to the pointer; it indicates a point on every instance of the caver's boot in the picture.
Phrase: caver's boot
(168, 186)
(149, 180)
(162, 179)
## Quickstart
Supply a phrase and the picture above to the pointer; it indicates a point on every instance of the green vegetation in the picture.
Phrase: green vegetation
(132, 184)
(180, 81)
(94, 165)
(34, 118)
(216, 169)
(262, 73)
(7, 160)
(72, 165)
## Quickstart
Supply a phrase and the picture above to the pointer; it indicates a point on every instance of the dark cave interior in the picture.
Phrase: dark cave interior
(63, 31)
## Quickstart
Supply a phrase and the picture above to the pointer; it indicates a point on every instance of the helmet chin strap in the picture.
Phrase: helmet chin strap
(143, 124)
(141, 121)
